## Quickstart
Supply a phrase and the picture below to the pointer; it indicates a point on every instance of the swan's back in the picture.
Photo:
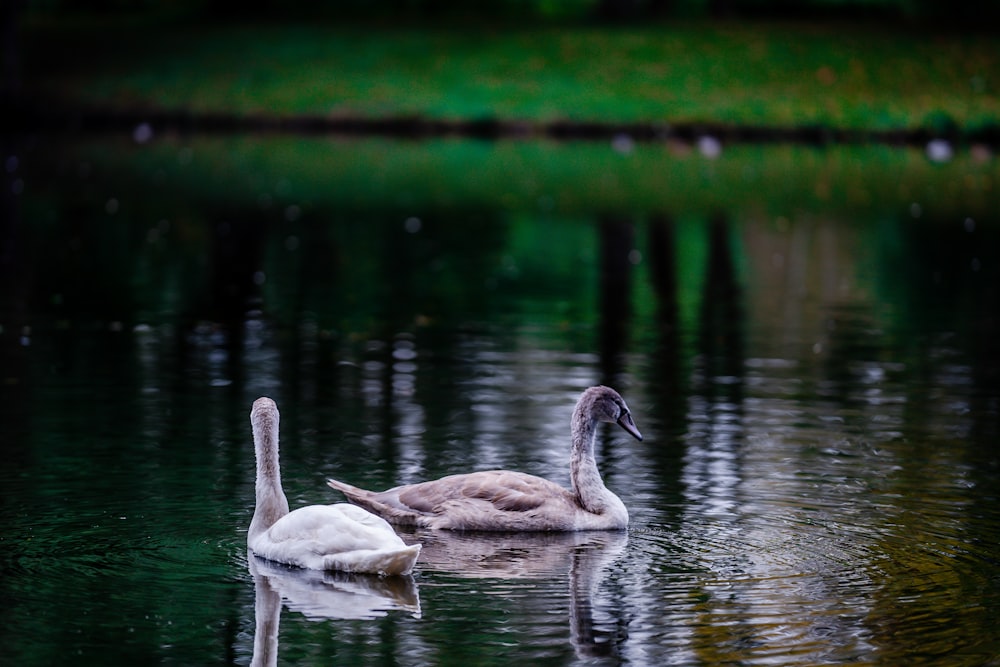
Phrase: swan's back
(489, 500)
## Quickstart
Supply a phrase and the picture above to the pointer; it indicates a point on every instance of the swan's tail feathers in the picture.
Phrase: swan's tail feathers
(385, 562)
(351, 492)
(384, 504)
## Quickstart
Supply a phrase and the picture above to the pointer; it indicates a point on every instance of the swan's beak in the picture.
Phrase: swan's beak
(625, 421)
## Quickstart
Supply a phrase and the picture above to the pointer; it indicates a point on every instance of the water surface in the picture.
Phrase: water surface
(816, 378)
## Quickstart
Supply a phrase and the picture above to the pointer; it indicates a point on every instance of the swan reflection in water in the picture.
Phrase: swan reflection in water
(320, 595)
(583, 557)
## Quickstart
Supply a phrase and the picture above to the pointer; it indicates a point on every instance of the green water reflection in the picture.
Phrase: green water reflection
(808, 340)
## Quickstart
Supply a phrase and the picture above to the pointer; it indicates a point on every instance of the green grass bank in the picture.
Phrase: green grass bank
(843, 75)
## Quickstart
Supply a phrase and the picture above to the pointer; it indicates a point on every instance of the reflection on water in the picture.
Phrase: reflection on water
(819, 389)
(515, 555)
(319, 595)
(336, 595)
(267, 618)
(580, 559)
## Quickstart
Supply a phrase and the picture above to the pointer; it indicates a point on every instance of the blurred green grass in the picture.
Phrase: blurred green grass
(563, 179)
(758, 74)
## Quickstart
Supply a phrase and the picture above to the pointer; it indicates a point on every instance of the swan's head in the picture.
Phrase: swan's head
(605, 404)
(264, 415)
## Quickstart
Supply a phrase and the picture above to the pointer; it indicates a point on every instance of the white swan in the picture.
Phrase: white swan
(502, 500)
(318, 537)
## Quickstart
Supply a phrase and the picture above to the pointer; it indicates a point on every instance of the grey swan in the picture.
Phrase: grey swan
(318, 537)
(504, 500)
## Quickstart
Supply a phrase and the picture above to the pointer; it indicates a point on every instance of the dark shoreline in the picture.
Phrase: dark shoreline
(47, 116)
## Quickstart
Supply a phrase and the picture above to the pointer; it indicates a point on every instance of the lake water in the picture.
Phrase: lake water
(808, 340)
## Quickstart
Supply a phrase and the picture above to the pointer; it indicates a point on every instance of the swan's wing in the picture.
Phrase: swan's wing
(504, 490)
(336, 537)
(363, 518)
(491, 500)
(335, 528)
(488, 500)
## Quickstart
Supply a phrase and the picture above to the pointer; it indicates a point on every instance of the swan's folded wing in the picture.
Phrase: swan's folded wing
(504, 490)
(331, 537)
(363, 517)
(339, 527)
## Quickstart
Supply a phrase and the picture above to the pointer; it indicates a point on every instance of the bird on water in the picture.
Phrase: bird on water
(339, 537)
(505, 500)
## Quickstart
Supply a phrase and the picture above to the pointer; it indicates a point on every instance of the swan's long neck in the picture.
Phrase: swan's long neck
(271, 501)
(583, 473)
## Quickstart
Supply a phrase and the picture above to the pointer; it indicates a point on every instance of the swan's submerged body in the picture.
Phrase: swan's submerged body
(503, 500)
(319, 537)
